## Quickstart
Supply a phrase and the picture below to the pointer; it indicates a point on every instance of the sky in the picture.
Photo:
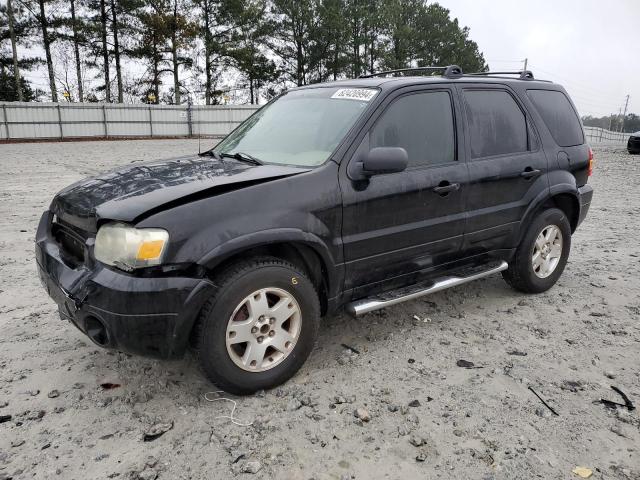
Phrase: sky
(590, 47)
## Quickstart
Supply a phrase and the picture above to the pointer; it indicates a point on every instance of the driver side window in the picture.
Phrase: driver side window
(422, 124)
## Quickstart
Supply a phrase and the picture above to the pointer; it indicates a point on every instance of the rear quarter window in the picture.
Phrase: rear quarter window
(559, 116)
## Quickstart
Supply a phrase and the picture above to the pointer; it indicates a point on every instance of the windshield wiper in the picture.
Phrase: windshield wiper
(211, 153)
(243, 157)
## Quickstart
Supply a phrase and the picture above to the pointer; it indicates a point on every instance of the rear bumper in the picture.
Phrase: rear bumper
(633, 145)
(139, 315)
(585, 194)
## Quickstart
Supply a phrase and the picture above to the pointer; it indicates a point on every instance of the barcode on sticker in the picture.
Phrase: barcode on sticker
(362, 94)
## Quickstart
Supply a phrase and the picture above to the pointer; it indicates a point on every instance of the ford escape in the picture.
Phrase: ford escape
(356, 194)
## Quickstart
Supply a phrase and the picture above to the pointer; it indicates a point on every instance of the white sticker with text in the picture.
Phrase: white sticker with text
(362, 94)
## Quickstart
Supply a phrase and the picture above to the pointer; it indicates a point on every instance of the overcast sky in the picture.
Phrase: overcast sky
(590, 47)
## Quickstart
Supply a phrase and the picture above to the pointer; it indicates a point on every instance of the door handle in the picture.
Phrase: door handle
(530, 173)
(445, 187)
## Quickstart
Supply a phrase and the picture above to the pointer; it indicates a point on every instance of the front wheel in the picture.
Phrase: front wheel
(542, 255)
(259, 327)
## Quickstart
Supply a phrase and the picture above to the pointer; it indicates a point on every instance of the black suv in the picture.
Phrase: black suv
(359, 194)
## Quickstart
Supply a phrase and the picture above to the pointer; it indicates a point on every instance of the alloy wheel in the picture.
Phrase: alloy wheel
(547, 251)
(263, 329)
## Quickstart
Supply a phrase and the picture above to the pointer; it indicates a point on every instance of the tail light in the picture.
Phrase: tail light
(590, 170)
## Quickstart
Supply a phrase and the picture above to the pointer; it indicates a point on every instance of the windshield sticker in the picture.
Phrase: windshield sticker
(362, 94)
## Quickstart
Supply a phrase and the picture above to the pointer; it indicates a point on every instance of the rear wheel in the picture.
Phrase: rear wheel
(259, 327)
(542, 255)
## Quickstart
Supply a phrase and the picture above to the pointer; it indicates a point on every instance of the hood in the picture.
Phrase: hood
(131, 193)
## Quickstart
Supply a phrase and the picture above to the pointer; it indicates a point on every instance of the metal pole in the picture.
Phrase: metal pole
(60, 121)
(189, 120)
(624, 115)
(104, 121)
(6, 120)
(150, 123)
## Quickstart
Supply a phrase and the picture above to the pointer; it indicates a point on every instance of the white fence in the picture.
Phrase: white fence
(22, 120)
(597, 135)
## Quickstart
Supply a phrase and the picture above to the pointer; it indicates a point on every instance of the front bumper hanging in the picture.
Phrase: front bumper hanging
(140, 315)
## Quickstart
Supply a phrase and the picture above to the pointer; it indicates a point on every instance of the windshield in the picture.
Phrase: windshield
(300, 128)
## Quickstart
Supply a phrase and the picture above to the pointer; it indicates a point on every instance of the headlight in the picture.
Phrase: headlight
(127, 247)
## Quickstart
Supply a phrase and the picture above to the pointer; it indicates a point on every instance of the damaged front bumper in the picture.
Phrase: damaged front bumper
(150, 316)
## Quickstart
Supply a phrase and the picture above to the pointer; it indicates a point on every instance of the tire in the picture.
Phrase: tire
(255, 282)
(528, 277)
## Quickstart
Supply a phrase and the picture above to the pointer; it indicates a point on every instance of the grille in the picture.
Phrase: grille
(70, 239)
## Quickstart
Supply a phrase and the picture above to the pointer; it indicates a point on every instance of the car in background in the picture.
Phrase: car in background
(633, 145)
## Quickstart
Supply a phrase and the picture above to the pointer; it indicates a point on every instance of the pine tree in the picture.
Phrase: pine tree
(48, 34)
(76, 40)
(181, 33)
(14, 32)
(292, 41)
(14, 50)
(245, 48)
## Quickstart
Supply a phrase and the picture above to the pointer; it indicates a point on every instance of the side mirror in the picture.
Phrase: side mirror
(381, 160)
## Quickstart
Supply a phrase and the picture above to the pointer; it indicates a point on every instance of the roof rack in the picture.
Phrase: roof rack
(522, 74)
(450, 71)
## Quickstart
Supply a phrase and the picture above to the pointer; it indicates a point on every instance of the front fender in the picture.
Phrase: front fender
(265, 237)
(261, 238)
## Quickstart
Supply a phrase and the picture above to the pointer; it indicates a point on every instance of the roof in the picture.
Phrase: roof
(405, 80)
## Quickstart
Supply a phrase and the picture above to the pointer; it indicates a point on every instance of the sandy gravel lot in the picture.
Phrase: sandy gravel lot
(429, 418)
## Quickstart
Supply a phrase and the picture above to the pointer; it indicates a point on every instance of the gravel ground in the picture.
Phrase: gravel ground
(421, 415)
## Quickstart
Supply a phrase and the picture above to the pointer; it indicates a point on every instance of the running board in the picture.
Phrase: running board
(366, 305)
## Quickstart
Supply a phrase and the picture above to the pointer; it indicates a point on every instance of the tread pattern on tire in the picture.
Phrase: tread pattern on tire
(514, 275)
(232, 273)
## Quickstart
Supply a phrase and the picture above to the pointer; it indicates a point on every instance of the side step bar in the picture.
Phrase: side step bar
(366, 305)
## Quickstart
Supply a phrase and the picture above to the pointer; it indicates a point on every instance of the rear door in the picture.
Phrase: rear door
(398, 224)
(507, 167)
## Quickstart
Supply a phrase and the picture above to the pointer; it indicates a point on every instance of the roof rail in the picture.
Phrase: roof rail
(522, 74)
(450, 71)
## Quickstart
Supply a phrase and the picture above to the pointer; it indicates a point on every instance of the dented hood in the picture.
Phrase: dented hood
(135, 191)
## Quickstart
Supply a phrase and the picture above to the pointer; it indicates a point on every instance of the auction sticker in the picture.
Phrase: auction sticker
(362, 94)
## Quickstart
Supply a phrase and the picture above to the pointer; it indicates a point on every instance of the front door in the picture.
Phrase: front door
(397, 225)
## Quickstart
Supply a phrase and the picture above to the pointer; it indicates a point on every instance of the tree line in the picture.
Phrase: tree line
(168, 51)
(617, 123)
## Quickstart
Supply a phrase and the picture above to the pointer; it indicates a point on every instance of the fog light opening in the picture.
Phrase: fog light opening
(96, 331)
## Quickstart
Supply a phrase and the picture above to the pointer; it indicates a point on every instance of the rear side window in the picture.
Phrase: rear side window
(561, 119)
(422, 124)
(497, 126)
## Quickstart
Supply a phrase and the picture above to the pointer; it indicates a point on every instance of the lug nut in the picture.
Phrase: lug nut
(260, 339)
(272, 320)
(272, 333)
(254, 329)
